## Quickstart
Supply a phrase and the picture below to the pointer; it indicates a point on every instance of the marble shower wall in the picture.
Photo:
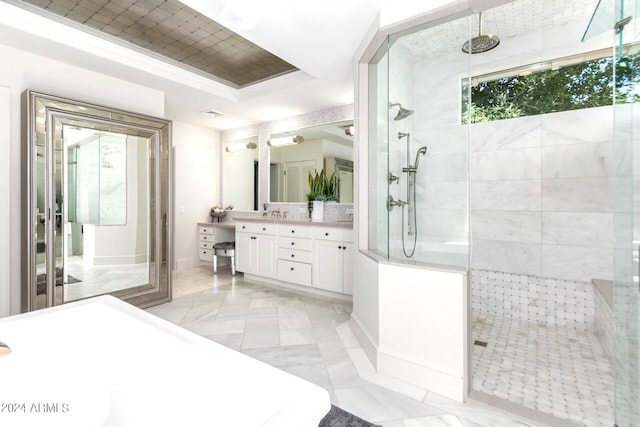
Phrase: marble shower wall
(542, 195)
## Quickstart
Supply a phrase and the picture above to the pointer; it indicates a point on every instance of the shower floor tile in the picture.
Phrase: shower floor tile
(556, 370)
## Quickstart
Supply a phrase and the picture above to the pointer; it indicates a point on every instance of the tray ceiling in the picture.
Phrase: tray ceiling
(176, 33)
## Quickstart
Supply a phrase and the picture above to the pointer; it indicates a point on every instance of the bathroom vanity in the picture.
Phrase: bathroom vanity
(298, 254)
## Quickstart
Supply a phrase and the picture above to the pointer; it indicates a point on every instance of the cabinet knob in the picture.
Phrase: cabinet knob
(253, 238)
(293, 231)
(339, 247)
(293, 243)
(291, 268)
(293, 255)
(264, 228)
(244, 226)
(344, 247)
(326, 234)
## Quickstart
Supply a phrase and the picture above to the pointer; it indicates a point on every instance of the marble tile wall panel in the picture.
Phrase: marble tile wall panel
(577, 263)
(511, 226)
(444, 195)
(440, 138)
(441, 167)
(578, 160)
(510, 134)
(591, 125)
(578, 194)
(510, 257)
(548, 301)
(448, 223)
(517, 195)
(439, 95)
(578, 229)
(506, 164)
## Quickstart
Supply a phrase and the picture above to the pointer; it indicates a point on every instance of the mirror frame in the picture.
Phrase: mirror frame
(43, 112)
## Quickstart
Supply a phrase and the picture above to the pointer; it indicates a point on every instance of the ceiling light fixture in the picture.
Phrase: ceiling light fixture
(285, 140)
(232, 148)
(213, 113)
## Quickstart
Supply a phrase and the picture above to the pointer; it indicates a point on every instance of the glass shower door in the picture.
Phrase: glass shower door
(627, 221)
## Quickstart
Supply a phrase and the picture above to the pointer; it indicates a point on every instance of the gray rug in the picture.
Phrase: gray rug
(340, 418)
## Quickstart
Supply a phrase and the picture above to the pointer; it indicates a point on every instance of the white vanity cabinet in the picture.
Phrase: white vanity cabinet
(256, 249)
(332, 259)
(296, 254)
(205, 243)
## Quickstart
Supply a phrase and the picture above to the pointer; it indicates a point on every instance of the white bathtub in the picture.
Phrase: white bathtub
(103, 362)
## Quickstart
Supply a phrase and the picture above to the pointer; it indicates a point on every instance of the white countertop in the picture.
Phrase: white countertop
(293, 221)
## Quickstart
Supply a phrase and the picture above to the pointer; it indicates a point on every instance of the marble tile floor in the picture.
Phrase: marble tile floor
(310, 337)
(98, 280)
(555, 370)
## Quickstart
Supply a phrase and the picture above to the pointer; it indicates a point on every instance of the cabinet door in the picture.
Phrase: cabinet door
(327, 265)
(245, 253)
(267, 256)
(347, 272)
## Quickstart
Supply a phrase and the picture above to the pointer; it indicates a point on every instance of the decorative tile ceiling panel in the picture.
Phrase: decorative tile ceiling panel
(177, 32)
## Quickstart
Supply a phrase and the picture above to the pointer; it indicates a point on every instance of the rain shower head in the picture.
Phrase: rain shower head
(403, 113)
(481, 43)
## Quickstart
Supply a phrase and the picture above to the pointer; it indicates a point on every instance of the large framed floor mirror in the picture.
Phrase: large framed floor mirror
(97, 204)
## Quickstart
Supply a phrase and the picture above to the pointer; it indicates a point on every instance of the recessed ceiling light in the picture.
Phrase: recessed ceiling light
(213, 113)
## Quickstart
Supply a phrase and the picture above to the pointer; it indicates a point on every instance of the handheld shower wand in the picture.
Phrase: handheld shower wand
(412, 169)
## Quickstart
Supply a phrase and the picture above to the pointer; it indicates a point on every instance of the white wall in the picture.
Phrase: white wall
(197, 167)
(126, 243)
(21, 70)
(5, 211)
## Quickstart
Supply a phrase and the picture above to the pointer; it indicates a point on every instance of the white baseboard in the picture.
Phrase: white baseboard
(369, 345)
(299, 288)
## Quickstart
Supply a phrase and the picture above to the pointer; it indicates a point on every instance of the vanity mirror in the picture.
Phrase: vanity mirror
(328, 147)
(98, 204)
(240, 173)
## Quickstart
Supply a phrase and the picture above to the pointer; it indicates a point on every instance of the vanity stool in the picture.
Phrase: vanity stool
(227, 249)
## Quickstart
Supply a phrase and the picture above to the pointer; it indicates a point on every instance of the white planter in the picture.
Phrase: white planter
(317, 214)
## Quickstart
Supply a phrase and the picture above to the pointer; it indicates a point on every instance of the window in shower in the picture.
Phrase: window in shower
(569, 83)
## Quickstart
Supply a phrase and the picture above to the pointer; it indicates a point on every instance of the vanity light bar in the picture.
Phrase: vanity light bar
(285, 140)
(232, 148)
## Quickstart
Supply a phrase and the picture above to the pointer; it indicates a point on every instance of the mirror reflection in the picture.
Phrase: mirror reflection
(96, 176)
(240, 174)
(105, 215)
(328, 147)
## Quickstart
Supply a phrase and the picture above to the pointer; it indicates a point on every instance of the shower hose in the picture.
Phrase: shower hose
(415, 224)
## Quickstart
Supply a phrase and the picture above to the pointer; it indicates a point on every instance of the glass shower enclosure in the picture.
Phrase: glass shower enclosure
(419, 199)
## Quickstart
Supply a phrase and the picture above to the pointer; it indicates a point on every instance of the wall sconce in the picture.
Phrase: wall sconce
(286, 140)
(232, 148)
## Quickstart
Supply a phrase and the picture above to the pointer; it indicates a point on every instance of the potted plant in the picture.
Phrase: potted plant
(321, 189)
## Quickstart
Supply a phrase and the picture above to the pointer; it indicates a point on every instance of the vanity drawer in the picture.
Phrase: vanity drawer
(262, 228)
(206, 245)
(294, 243)
(206, 238)
(294, 255)
(327, 233)
(205, 230)
(295, 230)
(206, 255)
(294, 272)
(246, 227)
